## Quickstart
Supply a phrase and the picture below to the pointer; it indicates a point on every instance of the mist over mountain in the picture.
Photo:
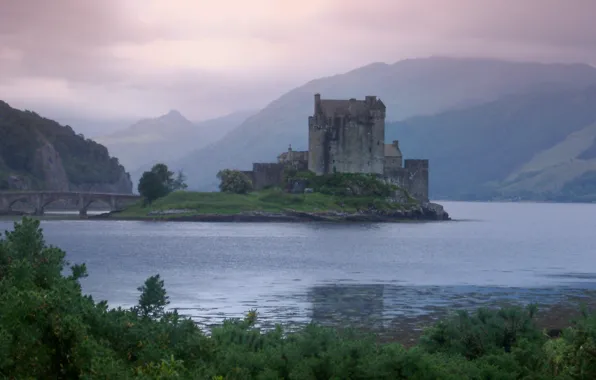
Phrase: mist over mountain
(166, 138)
(94, 128)
(408, 88)
(529, 145)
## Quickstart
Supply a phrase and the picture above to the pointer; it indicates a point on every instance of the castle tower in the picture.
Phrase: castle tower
(347, 136)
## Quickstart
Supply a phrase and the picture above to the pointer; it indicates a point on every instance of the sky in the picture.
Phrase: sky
(129, 59)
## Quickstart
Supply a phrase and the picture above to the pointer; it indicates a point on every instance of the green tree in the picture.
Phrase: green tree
(180, 182)
(159, 182)
(153, 299)
(234, 181)
(164, 174)
(151, 187)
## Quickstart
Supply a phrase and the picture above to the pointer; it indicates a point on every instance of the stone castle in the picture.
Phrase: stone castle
(348, 136)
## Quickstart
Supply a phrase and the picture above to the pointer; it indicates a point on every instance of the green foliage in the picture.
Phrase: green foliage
(234, 181)
(159, 182)
(485, 332)
(153, 298)
(22, 133)
(151, 187)
(345, 184)
(50, 330)
(179, 182)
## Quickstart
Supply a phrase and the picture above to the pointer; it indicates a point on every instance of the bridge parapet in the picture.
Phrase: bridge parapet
(38, 200)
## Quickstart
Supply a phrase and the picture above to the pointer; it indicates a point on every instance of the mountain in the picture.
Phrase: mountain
(533, 145)
(38, 153)
(93, 128)
(408, 88)
(166, 138)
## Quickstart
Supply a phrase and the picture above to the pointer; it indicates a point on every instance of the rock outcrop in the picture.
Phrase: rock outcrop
(48, 165)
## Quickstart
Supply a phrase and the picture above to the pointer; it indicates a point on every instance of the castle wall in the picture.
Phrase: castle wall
(266, 175)
(413, 177)
(318, 148)
(393, 156)
(392, 163)
(295, 159)
(347, 144)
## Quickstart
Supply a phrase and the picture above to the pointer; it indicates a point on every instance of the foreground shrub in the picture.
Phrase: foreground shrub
(50, 330)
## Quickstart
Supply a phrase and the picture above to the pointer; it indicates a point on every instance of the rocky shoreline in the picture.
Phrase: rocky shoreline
(422, 212)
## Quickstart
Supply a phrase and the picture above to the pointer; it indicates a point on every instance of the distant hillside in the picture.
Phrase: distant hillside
(38, 153)
(408, 88)
(536, 145)
(166, 138)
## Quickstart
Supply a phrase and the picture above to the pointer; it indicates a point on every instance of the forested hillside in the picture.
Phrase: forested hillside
(38, 153)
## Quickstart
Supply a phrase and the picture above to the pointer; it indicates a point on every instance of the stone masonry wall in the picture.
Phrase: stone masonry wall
(267, 174)
(347, 144)
(413, 177)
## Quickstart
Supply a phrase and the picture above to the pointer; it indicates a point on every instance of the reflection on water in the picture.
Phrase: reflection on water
(347, 304)
(379, 306)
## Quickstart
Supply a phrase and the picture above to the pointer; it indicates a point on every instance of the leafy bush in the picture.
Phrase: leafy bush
(345, 184)
(234, 181)
(50, 330)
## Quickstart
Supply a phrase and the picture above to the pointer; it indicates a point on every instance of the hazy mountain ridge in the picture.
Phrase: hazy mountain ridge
(408, 88)
(527, 145)
(166, 138)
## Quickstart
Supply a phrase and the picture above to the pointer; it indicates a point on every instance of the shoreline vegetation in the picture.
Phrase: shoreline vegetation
(274, 205)
(50, 329)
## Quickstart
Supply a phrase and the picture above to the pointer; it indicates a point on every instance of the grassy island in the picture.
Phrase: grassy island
(337, 197)
(268, 201)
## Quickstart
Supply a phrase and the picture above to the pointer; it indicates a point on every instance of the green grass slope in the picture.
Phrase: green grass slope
(189, 203)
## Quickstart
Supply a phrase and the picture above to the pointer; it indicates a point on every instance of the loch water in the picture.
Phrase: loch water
(490, 253)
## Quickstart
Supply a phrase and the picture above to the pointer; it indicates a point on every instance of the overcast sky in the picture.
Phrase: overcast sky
(141, 58)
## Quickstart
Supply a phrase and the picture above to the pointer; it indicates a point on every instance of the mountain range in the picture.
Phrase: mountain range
(166, 139)
(446, 109)
(491, 129)
(528, 145)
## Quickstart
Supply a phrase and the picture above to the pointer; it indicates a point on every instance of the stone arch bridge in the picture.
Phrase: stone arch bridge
(38, 200)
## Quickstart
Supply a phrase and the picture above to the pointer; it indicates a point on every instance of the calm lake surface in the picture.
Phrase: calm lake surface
(494, 252)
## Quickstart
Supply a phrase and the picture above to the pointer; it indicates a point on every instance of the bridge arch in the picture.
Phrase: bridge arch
(25, 200)
(82, 201)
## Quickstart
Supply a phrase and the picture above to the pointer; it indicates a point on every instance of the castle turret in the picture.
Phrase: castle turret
(317, 104)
